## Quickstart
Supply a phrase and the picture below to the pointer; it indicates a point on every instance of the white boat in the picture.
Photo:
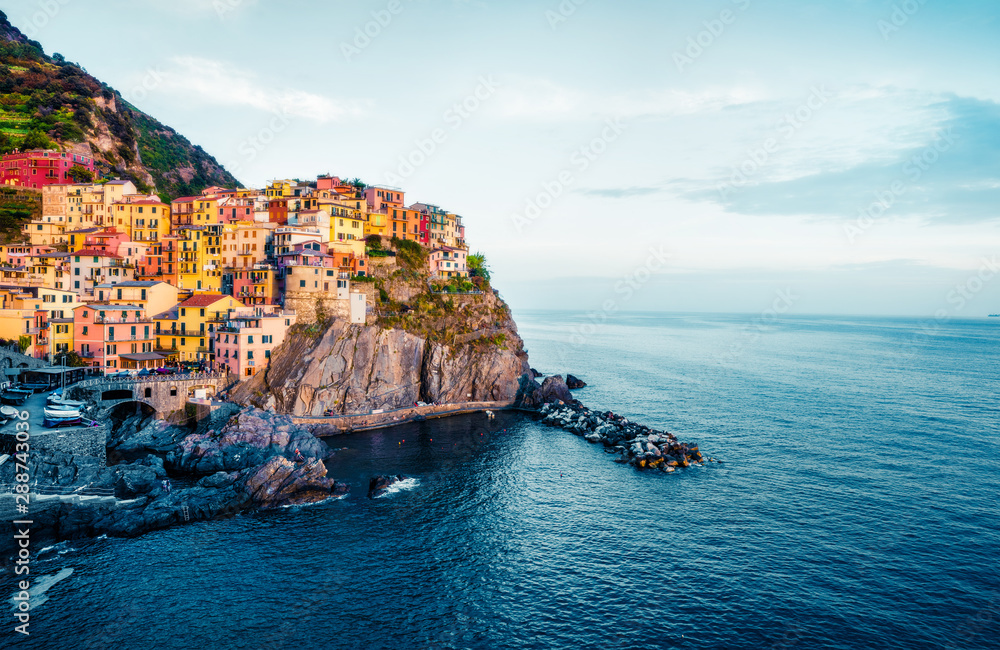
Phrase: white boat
(61, 413)
(8, 412)
(53, 400)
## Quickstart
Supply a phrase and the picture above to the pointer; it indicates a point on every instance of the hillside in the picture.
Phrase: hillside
(49, 102)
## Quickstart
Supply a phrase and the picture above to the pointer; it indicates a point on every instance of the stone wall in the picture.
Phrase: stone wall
(306, 303)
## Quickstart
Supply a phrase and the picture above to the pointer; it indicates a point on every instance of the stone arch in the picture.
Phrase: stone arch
(116, 394)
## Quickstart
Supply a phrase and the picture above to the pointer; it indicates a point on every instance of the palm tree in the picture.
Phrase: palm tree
(477, 266)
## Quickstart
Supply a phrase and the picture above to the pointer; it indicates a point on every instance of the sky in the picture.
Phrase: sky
(837, 157)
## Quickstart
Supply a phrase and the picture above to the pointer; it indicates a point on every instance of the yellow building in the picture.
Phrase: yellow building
(143, 219)
(89, 204)
(279, 189)
(194, 211)
(60, 336)
(199, 257)
(246, 244)
(153, 296)
(188, 329)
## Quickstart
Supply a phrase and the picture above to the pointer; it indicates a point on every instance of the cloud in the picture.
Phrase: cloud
(543, 99)
(621, 192)
(945, 168)
(222, 83)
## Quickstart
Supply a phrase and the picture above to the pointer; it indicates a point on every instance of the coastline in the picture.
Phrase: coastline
(323, 427)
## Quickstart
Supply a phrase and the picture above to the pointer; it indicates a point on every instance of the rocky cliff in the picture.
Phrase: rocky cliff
(451, 350)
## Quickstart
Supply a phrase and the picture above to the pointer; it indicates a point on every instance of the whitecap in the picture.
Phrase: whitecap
(405, 484)
(38, 588)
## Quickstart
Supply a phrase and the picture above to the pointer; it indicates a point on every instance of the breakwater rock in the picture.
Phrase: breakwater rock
(636, 444)
(379, 485)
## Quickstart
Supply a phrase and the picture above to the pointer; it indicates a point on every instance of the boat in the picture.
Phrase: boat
(55, 399)
(994, 316)
(15, 396)
(52, 423)
(8, 413)
(61, 413)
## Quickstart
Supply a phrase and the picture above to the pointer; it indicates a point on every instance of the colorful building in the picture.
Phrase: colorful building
(40, 167)
(244, 342)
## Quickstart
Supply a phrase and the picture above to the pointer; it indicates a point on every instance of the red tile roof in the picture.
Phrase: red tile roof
(205, 300)
(90, 252)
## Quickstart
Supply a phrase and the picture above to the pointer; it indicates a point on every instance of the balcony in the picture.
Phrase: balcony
(112, 321)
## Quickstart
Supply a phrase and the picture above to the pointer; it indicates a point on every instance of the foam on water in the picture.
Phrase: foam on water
(39, 587)
(401, 486)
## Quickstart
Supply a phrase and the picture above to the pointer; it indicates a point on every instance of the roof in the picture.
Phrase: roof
(142, 356)
(185, 199)
(100, 306)
(143, 284)
(93, 252)
(204, 299)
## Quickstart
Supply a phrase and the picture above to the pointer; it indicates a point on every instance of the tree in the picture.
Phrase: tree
(71, 359)
(23, 343)
(36, 140)
(6, 144)
(80, 174)
(477, 266)
(374, 242)
(58, 58)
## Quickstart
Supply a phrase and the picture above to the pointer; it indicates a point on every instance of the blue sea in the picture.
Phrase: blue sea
(856, 507)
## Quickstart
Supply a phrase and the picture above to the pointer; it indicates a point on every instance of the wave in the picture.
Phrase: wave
(406, 484)
(39, 587)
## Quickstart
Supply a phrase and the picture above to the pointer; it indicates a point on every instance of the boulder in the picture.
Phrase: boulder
(379, 485)
(554, 389)
(573, 383)
(280, 482)
(535, 374)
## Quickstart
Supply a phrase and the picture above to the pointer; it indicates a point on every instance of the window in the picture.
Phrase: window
(250, 340)
(84, 330)
(173, 391)
(302, 283)
(149, 391)
(249, 354)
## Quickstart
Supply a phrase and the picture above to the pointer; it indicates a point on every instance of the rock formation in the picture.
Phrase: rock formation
(379, 485)
(360, 368)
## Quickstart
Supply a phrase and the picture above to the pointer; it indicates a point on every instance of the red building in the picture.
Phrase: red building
(38, 167)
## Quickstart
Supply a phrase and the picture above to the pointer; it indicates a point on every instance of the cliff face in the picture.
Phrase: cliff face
(350, 369)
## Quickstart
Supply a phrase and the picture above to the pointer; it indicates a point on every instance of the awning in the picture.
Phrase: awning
(143, 356)
(12, 372)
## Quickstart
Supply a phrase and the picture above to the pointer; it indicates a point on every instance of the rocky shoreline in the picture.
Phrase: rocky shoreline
(249, 460)
(637, 445)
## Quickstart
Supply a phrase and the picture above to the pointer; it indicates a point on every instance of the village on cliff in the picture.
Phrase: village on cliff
(123, 282)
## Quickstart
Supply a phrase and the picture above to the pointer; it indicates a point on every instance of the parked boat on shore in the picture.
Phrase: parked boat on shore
(16, 396)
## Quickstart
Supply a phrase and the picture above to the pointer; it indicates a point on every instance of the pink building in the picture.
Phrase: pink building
(244, 343)
(380, 198)
(306, 254)
(115, 337)
(38, 167)
(446, 262)
(233, 209)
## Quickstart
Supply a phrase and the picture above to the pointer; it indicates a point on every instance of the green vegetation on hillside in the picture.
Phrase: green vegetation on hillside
(48, 102)
(17, 207)
(178, 168)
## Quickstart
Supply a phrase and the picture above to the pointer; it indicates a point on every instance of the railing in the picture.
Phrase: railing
(191, 376)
